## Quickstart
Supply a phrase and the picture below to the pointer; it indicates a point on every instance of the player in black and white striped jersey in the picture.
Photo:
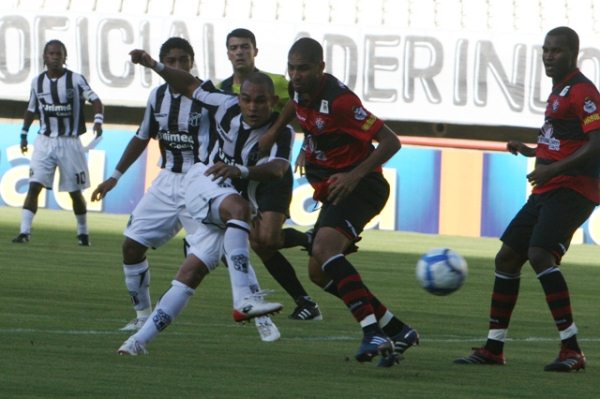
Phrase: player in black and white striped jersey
(58, 96)
(179, 125)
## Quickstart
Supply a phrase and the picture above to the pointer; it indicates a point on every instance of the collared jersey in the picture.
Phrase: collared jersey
(59, 103)
(179, 125)
(338, 130)
(237, 143)
(571, 112)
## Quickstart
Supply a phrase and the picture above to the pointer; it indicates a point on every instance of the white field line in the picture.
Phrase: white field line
(431, 338)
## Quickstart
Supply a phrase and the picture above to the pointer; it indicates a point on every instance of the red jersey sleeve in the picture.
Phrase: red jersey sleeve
(352, 118)
(585, 105)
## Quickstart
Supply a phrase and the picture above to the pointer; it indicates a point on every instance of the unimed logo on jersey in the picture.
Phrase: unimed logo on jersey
(58, 110)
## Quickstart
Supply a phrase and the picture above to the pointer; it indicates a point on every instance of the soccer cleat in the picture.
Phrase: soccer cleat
(267, 330)
(22, 238)
(482, 356)
(375, 344)
(406, 338)
(83, 240)
(567, 360)
(255, 306)
(134, 324)
(306, 310)
(131, 347)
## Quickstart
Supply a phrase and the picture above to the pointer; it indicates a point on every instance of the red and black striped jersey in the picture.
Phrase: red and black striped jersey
(338, 130)
(571, 112)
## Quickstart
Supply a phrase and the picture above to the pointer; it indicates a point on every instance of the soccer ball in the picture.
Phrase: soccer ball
(441, 271)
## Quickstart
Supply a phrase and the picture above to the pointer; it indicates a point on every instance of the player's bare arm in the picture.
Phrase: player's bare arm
(27, 121)
(543, 173)
(517, 147)
(132, 152)
(98, 109)
(342, 184)
(271, 170)
(181, 81)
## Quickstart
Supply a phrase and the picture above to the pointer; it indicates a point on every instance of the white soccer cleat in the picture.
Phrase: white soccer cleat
(134, 324)
(267, 330)
(255, 306)
(131, 347)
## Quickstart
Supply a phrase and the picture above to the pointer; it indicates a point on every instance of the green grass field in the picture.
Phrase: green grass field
(62, 305)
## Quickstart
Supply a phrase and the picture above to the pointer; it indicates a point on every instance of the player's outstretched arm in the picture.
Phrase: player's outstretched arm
(132, 152)
(181, 81)
(270, 136)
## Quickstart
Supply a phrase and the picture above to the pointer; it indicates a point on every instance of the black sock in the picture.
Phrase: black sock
(294, 238)
(283, 272)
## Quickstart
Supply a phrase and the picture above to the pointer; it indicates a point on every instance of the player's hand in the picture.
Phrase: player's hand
(541, 175)
(514, 147)
(221, 171)
(98, 129)
(141, 57)
(299, 165)
(23, 145)
(340, 186)
(103, 189)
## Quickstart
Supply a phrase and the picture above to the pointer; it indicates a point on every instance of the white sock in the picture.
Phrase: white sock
(237, 250)
(82, 224)
(137, 281)
(170, 306)
(26, 221)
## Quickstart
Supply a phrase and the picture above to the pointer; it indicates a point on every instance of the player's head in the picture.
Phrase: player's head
(257, 99)
(241, 50)
(560, 51)
(177, 53)
(55, 55)
(305, 64)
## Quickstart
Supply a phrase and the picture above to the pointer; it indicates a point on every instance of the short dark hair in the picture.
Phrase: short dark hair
(260, 78)
(175, 42)
(241, 32)
(570, 36)
(55, 42)
(309, 48)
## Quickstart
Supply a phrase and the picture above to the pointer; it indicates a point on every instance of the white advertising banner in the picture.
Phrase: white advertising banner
(431, 76)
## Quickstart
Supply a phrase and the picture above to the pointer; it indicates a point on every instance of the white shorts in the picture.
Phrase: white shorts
(203, 197)
(68, 155)
(161, 212)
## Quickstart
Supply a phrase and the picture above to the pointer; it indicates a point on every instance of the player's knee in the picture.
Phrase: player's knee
(508, 261)
(133, 252)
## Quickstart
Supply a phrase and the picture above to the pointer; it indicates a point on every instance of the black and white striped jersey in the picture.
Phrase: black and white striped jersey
(238, 142)
(180, 126)
(59, 103)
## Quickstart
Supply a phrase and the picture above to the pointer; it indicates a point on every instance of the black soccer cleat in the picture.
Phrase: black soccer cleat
(83, 240)
(22, 238)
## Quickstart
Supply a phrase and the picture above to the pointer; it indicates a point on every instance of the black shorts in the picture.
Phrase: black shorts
(548, 221)
(276, 195)
(356, 210)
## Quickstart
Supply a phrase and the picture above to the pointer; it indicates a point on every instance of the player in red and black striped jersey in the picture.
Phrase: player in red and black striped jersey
(566, 189)
(344, 168)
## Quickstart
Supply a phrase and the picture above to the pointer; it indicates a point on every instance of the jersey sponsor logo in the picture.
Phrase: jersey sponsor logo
(546, 137)
(589, 106)
(565, 91)
(369, 123)
(324, 107)
(360, 114)
(590, 119)
(58, 110)
(176, 141)
(555, 105)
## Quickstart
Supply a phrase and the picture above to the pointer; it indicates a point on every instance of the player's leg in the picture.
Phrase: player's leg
(266, 240)
(41, 174)
(562, 213)
(172, 303)
(74, 178)
(80, 211)
(154, 221)
(507, 278)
